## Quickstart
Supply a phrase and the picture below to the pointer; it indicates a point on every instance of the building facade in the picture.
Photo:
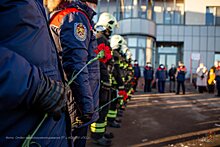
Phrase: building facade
(168, 31)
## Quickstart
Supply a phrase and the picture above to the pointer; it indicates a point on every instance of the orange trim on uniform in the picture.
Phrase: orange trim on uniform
(57, 19)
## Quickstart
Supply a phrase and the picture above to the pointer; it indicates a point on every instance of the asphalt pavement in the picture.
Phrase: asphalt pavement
(167, 119)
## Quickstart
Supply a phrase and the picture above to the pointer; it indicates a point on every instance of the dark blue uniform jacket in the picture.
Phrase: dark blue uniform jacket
(27, 52)
(78, 44)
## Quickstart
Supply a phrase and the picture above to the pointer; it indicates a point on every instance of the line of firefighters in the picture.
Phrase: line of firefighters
(60, 77)
(115, 70)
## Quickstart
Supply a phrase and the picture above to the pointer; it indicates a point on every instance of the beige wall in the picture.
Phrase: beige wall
(195, 11)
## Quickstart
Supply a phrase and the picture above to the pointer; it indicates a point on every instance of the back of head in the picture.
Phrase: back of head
(107, 20)
(117, 41)
(51, 5)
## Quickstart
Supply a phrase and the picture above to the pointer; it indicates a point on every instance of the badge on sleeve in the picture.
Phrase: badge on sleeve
(80, 31)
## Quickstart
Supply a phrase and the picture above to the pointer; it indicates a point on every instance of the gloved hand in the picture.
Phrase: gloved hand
(86, 117)
(51, 97)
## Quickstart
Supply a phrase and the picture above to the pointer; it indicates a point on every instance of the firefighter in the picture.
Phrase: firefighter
(161, 76)
(130, 75)
(104, 28)
(117, 82)
(32, 82)
(127, 76)
(72, 28)
(180, 76)
(124, 74)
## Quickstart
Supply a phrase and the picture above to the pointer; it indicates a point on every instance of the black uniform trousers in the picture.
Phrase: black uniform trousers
(147, 85)
(180, 83)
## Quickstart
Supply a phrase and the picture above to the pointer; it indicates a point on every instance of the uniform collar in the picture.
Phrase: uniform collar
(100, 35)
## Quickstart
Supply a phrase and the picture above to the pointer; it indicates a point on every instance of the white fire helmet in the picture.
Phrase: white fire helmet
(117, 41)
(107, 20)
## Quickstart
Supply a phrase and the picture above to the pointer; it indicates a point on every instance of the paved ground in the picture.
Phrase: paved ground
(169, 120)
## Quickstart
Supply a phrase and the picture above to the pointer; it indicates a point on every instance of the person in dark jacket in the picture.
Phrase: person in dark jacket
(104, 28)
(172, 76)
(31, 78)
(137, 74)
(161, 76)
(180, 76)
(72, 25)
(148, 77)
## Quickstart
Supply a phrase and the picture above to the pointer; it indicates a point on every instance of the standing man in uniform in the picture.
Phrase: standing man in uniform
(104, 28)
(72, 25)
(31, 78)
(137, 74)
(161, 76)
(180, 76)
(148, 77)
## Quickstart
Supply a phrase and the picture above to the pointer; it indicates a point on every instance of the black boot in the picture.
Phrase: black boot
(114, 124)
(120, 113)
(102, 141)
(118, 120)
(109, 135)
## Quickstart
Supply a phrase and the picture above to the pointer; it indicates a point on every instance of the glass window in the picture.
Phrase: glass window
(143, 8)
(209, 16)
(217, 16)
(128, 6)
(141, 42)
(176, 17)
(171, 59)
(167, 50)
(167, 17)
(141, 55)
(158, 14)
(162, 59)
(143, 12)
(132, 42)
(217, 56)
(133, 51)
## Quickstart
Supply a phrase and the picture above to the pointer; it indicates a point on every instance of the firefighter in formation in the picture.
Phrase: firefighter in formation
(116, 78)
